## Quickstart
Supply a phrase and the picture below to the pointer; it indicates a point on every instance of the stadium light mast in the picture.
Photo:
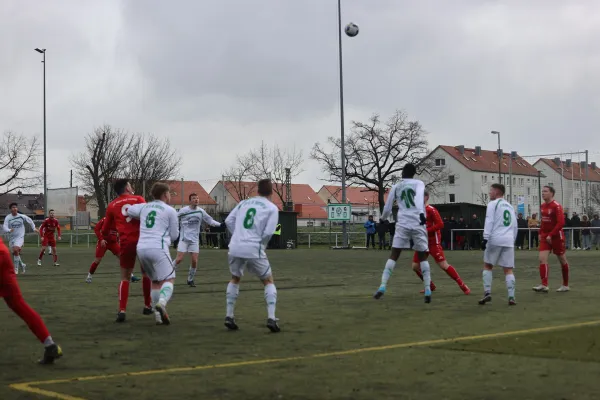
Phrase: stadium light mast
(342, 139)
(43, 52)
(499, 156)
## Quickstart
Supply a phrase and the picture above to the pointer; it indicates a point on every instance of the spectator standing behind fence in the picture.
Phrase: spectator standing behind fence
(446, 234)
(576, 223)
(460, 235)
(586, 232)
(370, 228)
(521, 225)
(382, 228)
(475, 235)
(534, 225)
(596, 230)
(568, 231)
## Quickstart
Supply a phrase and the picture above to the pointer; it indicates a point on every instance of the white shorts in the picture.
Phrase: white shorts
(501, 256)
(403, 236)
(17, 242)
(260, 267)
(188, 247)
(157, 264)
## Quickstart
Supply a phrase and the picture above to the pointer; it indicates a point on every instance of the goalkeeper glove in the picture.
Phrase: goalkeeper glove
(423, 219)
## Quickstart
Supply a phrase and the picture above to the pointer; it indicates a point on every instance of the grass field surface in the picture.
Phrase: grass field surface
(336, 341)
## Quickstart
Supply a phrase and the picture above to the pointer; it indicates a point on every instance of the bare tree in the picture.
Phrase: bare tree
(239, 174)
(103, 159)
(19, 166)
(150, 160)
(377, 151)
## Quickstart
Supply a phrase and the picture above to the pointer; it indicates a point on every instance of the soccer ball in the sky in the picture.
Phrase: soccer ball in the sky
(351, 29)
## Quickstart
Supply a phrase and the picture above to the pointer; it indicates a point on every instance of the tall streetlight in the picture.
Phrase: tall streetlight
(499, 156)
(342, 140)
(43, 52)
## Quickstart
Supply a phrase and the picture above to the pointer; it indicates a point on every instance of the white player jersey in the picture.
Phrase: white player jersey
(252, 223)
(17, 224)
(159, 225)
(500, 224)
(191, 221)
(410, 197)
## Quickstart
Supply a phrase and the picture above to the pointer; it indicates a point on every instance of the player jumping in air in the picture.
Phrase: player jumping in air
(434, 228)
(15, 224)
(499, 235)
(129, 233)
(252, 224)
(191, 218)
(159, 227)
(10, 291)
(47, 230)
(410, 225)
(552, 239)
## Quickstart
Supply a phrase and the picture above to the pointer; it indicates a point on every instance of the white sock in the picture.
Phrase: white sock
(487, 281)
(271, 299)
(155, 295)
(426, 271)
(510, 285)
(387, 272)
(48, 341)
(166, 291)
(232, 294)
(191, 274)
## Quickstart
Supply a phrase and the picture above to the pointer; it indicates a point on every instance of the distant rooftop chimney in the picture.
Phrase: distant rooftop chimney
(583, 165)
(594, 165)
(461, 149)
(557, 161)
(513, 155)
(568, 162)
(478, 150)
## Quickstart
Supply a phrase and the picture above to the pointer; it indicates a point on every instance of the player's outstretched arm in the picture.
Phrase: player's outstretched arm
(5, 227)
(387, 209)
(31, 223)
(230, 221)
(173, 224)
(208, 219)
(135, 210)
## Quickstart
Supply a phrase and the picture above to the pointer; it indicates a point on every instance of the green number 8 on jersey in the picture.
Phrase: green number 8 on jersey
(150, 219)
(249, 220)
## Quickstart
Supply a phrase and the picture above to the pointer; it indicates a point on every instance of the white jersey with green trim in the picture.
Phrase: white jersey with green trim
(159, 225)
(252, 223)
(17, 224)
(500, 224)
(191, 220)
(410, 197)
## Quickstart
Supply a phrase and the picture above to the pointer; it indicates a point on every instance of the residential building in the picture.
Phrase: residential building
(310, 207)
(364, 202)
(569, 179)
(31, 205)
(180, 194)
(471, 171)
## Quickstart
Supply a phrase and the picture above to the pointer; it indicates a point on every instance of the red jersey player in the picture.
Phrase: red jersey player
(552, 239)
(49, 227)
(434, 227)
(129, 233)
(111, 243)
(10, 291)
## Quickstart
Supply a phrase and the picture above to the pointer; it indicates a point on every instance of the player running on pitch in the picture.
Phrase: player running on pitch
(499, 235)
(47, 230)
(434, 228)
(15, 224)
(10, 291)
(129, 233)
(410, 224)
(552, 239)
(191, 218)
(159, 226)
(252, 224)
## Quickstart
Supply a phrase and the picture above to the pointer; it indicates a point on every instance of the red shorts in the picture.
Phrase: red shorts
(128, 255)
(558, 244)
(9, 286)
(112, 246)
(435, 250)
(49, 241)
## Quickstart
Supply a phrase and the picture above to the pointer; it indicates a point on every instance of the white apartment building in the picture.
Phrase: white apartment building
(471, 171)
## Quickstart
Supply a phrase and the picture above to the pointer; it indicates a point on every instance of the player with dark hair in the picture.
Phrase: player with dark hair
(129, 233)
(49, 227)
(14, 223)
(552, 239)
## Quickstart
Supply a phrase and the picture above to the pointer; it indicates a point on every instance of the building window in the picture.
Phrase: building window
(451, 179)
(522, 181)
(452, 198)
(528, 190)
(514, 181)
(440, 162)
(483, 178)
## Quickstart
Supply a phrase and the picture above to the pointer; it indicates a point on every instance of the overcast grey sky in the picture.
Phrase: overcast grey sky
(217, 77)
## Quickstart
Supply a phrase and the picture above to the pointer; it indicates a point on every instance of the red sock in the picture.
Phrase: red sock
(55, 257)
(454, 275)
(565, 274)
(147, 288)
(93, 267)
(28, 314)
(42, 254)
(420, 275)
(123, 295)
(544, 274)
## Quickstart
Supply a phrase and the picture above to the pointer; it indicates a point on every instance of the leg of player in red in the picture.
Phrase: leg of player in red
(43, 252)
(100, 251)
(416, 266)
(440, 259)
(10, 291)
(557, 246)
(127, 257)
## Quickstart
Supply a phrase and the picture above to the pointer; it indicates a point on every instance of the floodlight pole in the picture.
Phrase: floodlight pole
(342, 139)
(499, 156)
(43, 52)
